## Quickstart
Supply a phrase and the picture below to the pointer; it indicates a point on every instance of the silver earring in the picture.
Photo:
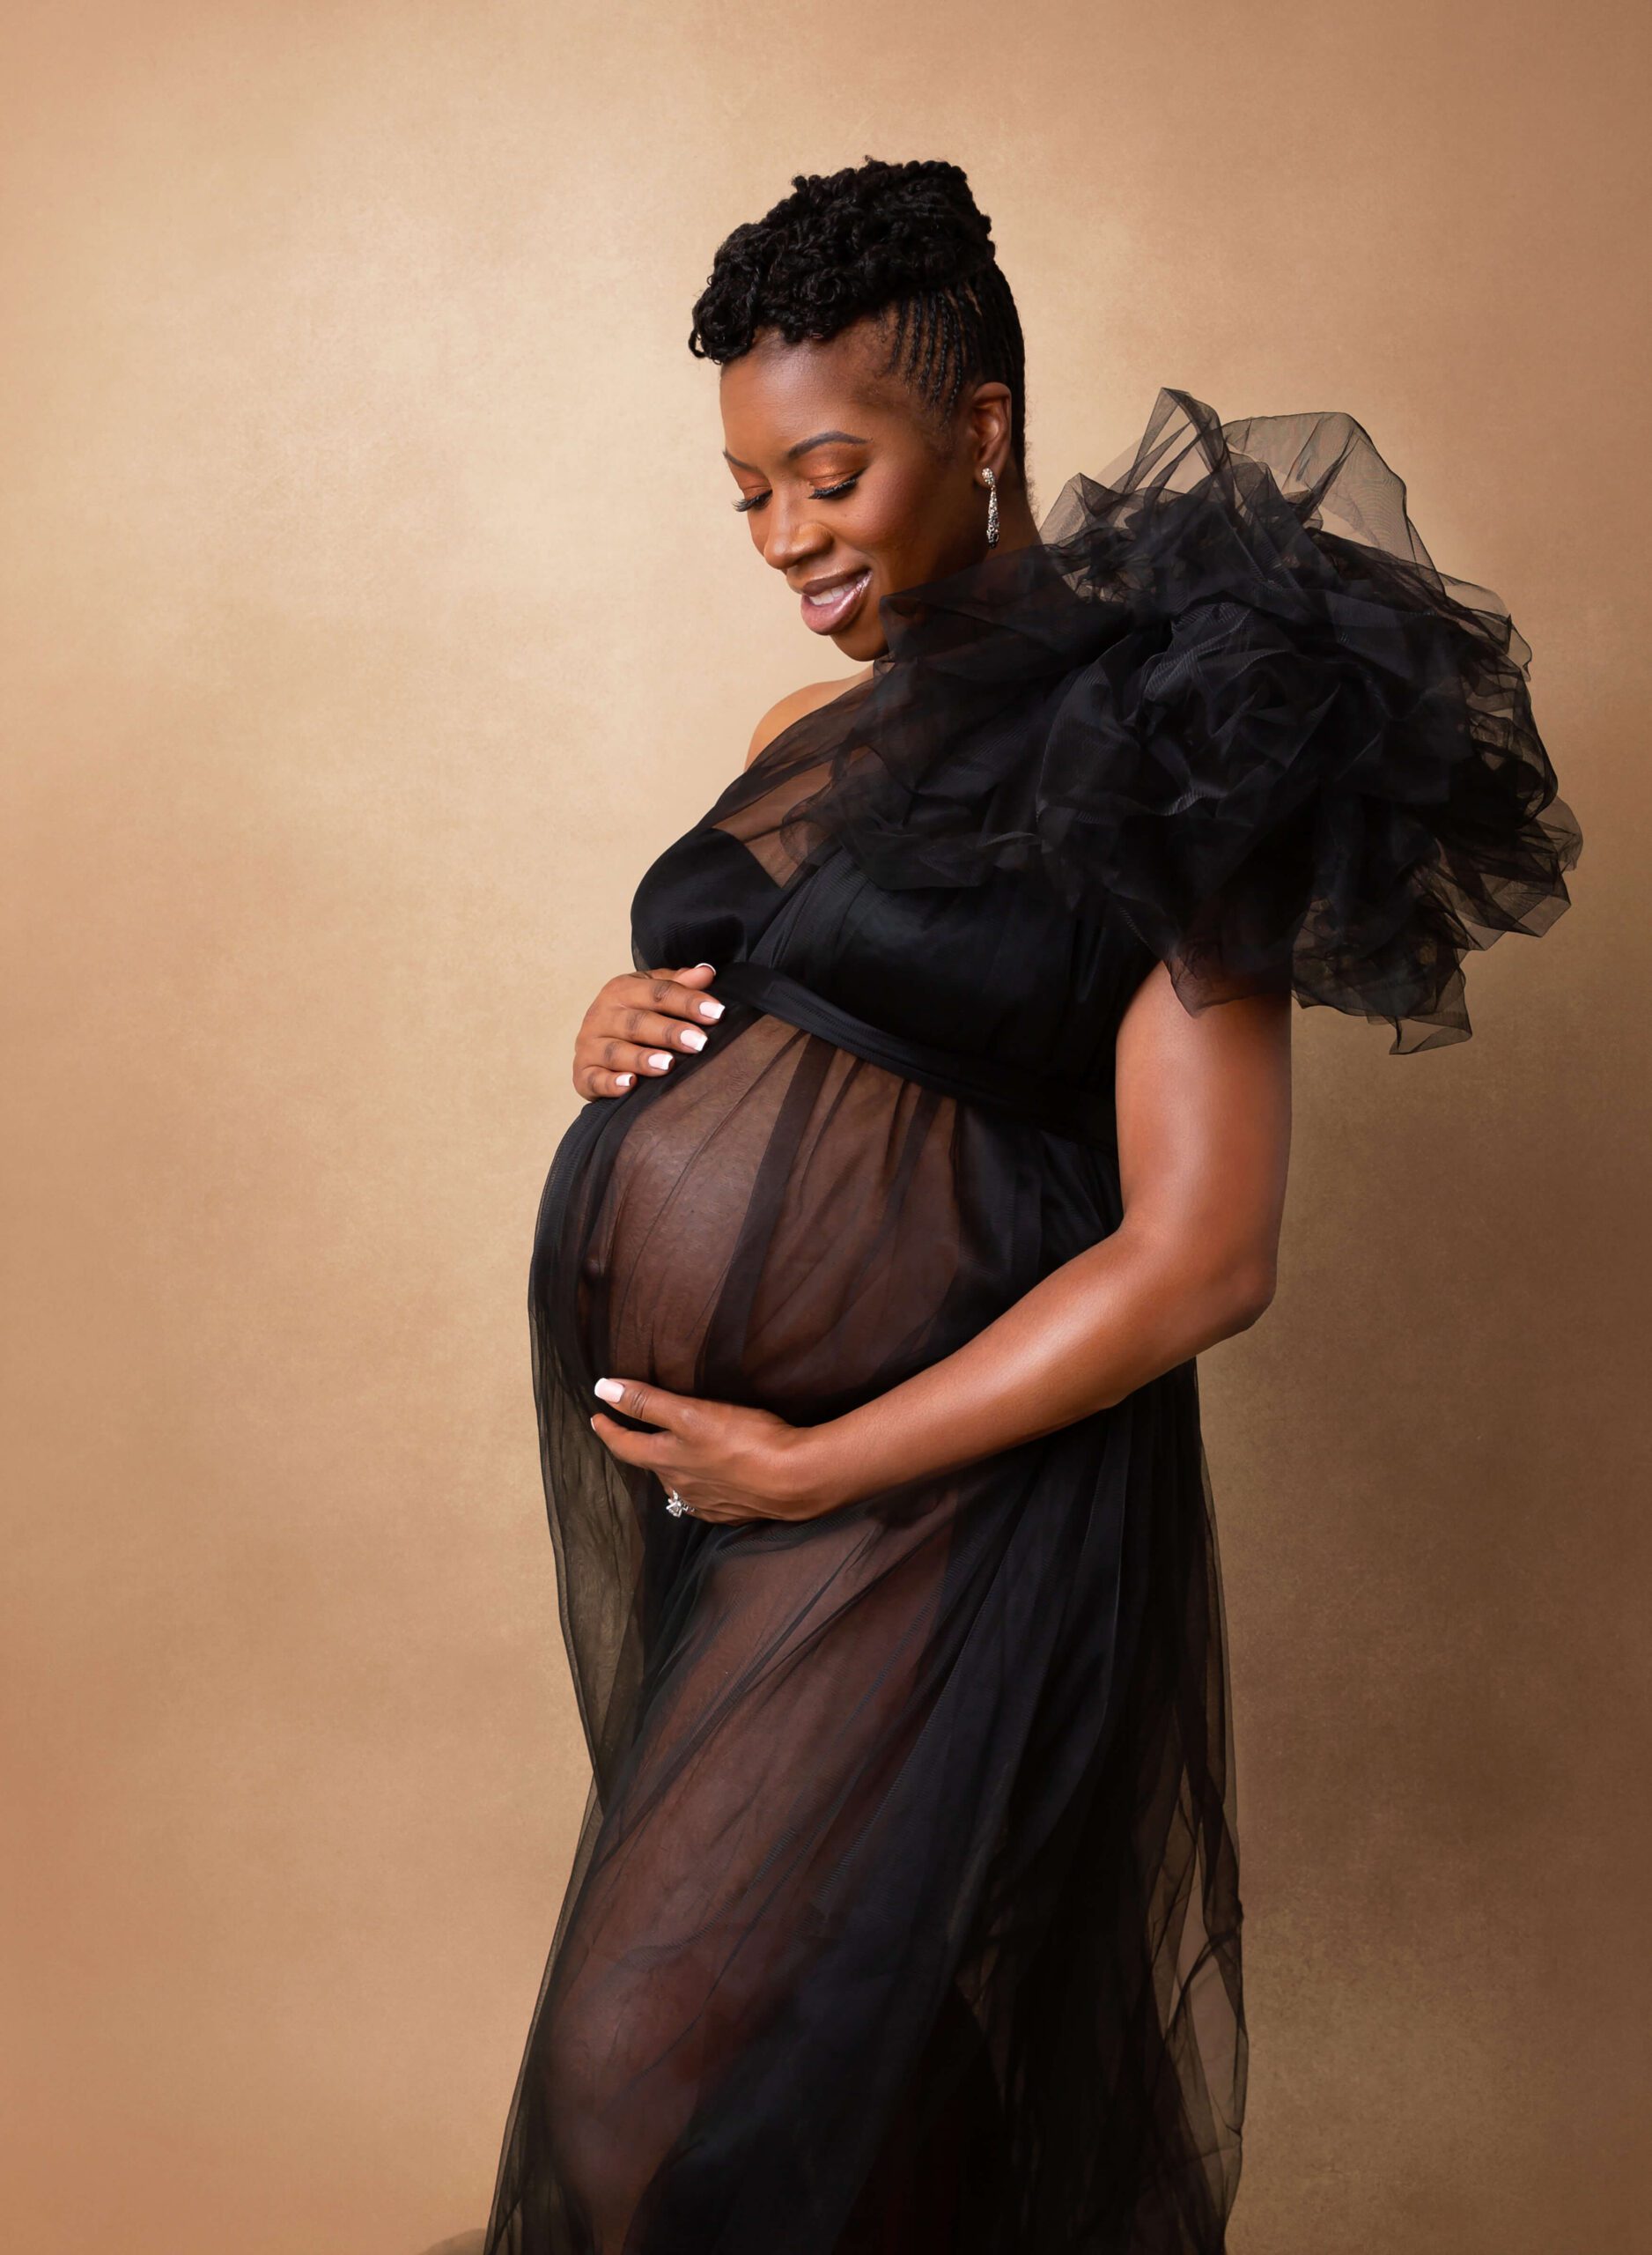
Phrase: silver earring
(992, 508)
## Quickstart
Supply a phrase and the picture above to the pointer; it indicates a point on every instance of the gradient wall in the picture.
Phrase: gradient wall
(371, 613)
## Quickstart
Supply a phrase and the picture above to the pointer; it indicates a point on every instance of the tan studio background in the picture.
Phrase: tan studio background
(373, 613)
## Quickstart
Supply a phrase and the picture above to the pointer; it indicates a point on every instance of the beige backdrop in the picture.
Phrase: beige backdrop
(373, 613)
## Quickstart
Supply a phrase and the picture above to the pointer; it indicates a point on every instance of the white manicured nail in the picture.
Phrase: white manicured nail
(625, 1079)
(659, 1060)
(710, 1009)
(692, 1038)
(610, 1389)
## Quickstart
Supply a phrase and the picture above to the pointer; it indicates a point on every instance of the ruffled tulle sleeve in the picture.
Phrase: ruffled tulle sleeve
(1227, 697)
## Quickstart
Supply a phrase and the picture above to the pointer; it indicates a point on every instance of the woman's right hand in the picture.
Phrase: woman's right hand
(636, 1023)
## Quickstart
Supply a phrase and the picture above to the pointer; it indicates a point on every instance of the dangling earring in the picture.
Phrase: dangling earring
(992, 508)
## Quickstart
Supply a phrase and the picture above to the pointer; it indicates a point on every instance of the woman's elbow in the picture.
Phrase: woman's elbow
(1246, 1291)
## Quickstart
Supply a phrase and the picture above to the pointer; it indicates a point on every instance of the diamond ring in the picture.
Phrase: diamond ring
(675, 1503)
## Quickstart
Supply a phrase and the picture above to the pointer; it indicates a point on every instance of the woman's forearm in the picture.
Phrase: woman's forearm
(1105, 1322)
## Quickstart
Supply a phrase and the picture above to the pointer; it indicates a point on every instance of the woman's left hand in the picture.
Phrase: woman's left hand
(727, 1463)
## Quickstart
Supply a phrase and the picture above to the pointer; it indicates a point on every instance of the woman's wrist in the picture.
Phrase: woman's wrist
(823, 1471)
(861, 1453)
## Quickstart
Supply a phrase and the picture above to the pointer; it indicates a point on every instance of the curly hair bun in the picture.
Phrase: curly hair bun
(905, 239)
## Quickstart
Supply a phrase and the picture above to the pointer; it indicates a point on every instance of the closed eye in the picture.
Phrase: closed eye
(821, 493)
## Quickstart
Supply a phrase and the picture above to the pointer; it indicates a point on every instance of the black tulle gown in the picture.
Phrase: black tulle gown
(905, 1915)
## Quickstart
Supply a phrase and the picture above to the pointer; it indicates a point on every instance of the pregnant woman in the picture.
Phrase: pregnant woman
(942, 1122)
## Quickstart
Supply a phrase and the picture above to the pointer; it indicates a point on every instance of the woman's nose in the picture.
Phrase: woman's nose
(791, 537)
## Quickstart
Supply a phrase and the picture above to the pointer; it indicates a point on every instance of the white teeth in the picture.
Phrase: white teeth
(836, 594)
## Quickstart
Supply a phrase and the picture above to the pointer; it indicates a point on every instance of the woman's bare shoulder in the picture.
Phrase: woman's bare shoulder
(792, 708)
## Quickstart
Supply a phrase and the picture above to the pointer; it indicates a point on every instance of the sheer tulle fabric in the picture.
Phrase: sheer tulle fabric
(905, 1911)
(1229, 697)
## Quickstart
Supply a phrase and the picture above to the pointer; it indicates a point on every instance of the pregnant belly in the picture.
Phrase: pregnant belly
(787, 1224)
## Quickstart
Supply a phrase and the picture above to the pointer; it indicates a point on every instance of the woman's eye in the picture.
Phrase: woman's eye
(819, 494)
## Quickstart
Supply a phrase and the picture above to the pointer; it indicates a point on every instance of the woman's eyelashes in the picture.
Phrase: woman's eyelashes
(820, 494)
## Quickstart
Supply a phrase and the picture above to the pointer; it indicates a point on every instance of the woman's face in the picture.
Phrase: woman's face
(847, 486)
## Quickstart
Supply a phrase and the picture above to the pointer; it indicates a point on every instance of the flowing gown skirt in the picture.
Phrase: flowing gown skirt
(904, 1915)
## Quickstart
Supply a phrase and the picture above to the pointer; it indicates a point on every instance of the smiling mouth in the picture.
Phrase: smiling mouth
(832, 606)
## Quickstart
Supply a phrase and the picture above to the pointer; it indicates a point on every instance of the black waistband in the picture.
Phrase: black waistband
(1084, 1113)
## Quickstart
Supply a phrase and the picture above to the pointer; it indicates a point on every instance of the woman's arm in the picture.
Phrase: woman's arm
(1203, 1106)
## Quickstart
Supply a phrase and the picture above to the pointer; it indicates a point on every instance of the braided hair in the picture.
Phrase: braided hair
(904, 242)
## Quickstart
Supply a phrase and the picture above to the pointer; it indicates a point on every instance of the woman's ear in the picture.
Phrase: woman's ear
(992, 426)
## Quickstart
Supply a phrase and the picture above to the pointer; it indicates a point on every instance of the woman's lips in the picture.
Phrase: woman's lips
(835, 605)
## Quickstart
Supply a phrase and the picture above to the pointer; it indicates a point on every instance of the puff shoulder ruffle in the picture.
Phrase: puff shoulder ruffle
(1228, 697)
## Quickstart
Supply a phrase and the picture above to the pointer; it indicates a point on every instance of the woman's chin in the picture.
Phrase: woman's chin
(860, 643)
